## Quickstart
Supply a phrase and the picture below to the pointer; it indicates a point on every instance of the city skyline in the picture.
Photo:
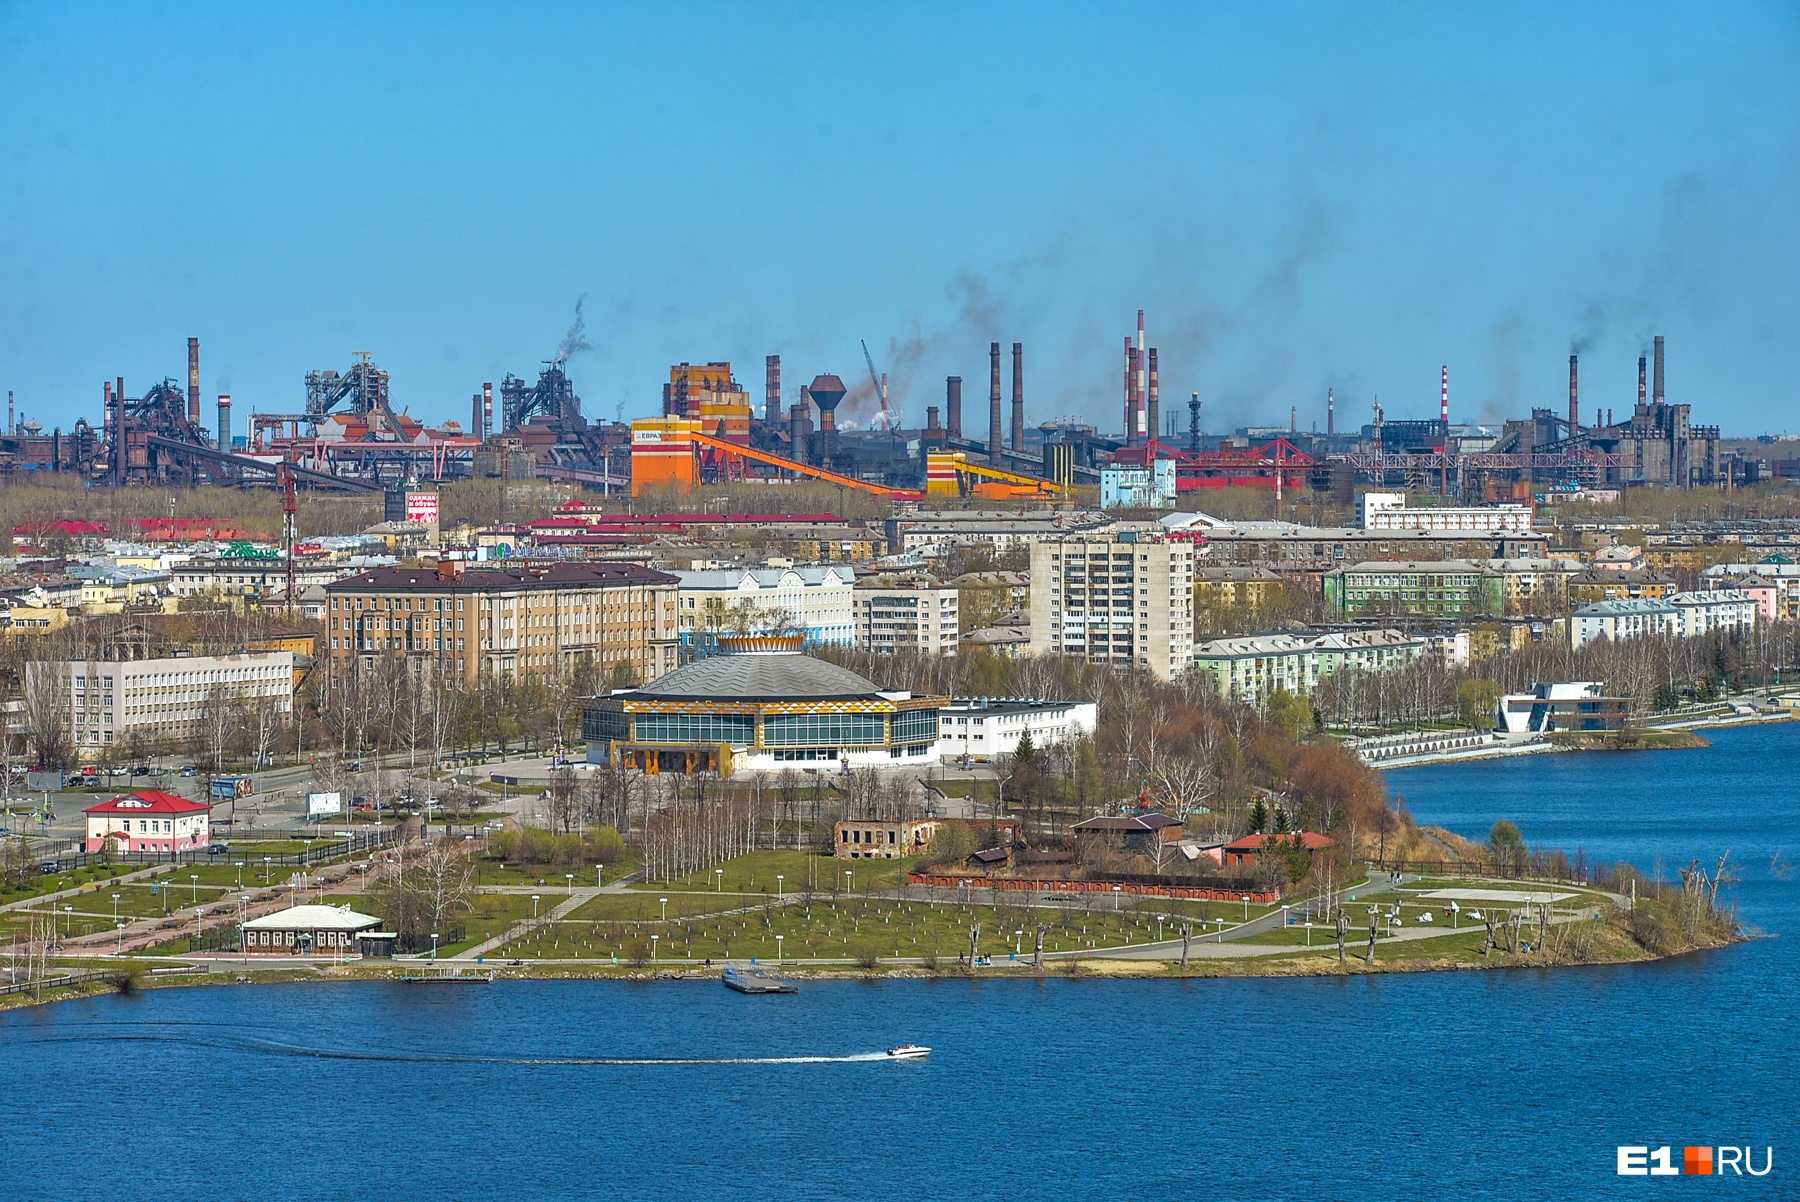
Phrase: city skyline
(1301, 199)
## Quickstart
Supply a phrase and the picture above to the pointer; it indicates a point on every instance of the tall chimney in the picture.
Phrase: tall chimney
(1018, 397)
(1656, 376)
(931, 426)
(1444, 402)
(772, 389)
(1574, 401)
(800, 426)
(1142, 384)
(995, 450)
(225, 422)
(487, 410)
(194, 383)
(1643, 385)
(953, 406)
(1194, 423)
(12, 426)
(120, 461)
(1330, 412)
(1293, 419)
(1130, 391)
(1153, 402)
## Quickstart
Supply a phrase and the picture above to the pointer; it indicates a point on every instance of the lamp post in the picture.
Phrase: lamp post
(1116, 892)
(1309, 932)
(434, 939)
(68, 921)
(849, 880)
(115, 907)
(599, 875)
(1246, 907)
(778, 940)
(718, 880)
(665, 908)
(240, 868)
(266, 862)
(570, 877)
(653, 940)
(1018, 938)
(534, 905)
(121, 927)
(778, 879)
(193, 888)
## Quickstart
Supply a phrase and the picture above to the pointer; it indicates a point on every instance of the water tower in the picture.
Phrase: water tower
(826, 392)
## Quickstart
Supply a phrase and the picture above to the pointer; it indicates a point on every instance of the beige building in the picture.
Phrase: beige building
(882, 839)
(1123, 596)
(902, 618)
(164, 699)
(464, 620)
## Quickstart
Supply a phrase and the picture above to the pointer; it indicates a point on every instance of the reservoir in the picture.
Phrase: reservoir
(1515, 1084)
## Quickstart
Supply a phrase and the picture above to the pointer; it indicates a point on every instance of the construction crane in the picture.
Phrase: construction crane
(880, 382)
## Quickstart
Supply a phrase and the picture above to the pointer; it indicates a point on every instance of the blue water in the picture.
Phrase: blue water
(1503, 1085)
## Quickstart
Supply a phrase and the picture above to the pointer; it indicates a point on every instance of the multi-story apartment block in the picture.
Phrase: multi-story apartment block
(1389, 511)
(1618, 584)
(466, 620)
(233, 576)
(1253, 669)
(816, 601)
(1122, 596)
(901, 618)
(1452, 588)
(166, 700)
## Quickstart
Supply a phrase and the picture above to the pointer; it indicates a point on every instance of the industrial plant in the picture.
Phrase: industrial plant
(344, 433)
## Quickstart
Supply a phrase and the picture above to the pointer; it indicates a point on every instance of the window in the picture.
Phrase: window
(696, 728)
(787, 730)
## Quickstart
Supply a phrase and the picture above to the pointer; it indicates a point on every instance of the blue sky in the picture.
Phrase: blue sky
(1301, 196)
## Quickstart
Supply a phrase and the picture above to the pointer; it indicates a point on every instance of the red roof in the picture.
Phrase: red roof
(1258, 842)
(149, 801)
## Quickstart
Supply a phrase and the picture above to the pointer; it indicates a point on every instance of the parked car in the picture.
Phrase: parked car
(139, 770)
(353, 766)
(49, 867)
(189, 770)
(218, 849)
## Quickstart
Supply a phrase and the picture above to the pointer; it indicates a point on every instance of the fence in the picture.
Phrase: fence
(56, 982)
(1132, 886)
(1472, 868)
(1391, 747)
(327, 849)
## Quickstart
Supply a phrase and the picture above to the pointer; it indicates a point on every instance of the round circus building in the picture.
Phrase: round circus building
(760, 705)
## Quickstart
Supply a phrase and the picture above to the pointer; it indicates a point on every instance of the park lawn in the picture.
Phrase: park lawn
(638, 906)
(41, 884)
(756, 871)
(1464, 945)
(493, 871)
(493, 913)
(847, 929)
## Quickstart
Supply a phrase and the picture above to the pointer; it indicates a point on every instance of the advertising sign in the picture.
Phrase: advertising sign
(319, 805)
(422, 507)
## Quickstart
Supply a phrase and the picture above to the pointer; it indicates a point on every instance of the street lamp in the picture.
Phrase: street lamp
(1018, 938)
(849, 880)
(718, 880)
(434, 938)
(115, 907)
(665, 908)
(68, 921)
(534, 904)
(1246, 907)
(599, 879)
(778, 940)
(193, 888)
(570, 877)
(1116, 892)
(653, 940)
(1309, 932)
(778, 879)
(266, 861)
(121, 927)
(197, 914)
(240, 868)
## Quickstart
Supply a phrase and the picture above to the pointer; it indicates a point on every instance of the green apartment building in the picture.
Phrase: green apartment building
(1445, 588)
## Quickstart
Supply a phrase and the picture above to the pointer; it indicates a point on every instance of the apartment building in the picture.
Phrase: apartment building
(817, 601)
(907, 618)
(165, 700)
(1389, 511)
(1681, 616)
(989, 728)
(1122, 596)
(244, 576)
(1619, 584)
(1253, 669)
(1449, 588)
(464, 620)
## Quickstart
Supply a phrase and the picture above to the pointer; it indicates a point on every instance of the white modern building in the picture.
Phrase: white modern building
(900, 618)
(818, 601)
(165, 699)
(1151, 487)
(989, 728)
(1252, 669)
(1561, 705)
(1389, 511)
(1123, 596)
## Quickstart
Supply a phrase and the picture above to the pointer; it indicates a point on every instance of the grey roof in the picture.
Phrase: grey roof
(785, 676)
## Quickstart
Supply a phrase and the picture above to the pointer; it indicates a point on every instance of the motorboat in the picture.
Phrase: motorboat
(909, 1051)
(757, 980)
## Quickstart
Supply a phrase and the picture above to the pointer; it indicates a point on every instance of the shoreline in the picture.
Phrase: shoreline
(1542, 746)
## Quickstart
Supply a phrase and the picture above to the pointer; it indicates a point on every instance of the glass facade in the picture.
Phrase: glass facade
(604, 726)
(824, 730)
(738, 729)
(915, 726)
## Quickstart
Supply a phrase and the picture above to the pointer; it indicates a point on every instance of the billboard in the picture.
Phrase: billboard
(318, 805)
(227, 788)
(422, 507)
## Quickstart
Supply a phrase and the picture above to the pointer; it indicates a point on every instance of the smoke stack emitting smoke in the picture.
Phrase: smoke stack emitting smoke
(1574, 400)
(576, 339)
(994, 432)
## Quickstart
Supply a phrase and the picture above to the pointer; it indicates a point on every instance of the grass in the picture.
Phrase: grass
(756, 872)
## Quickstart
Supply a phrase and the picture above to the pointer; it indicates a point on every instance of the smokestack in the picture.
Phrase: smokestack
(995, 449)
(12, 426)
(487, 410)
(225, 422)
(800, 426)
(1142, 384)
(1643, 386)
(1153, 403)
(953, 406)
(119, 460)
(1656, 371)
(772, 389)
(1018, 397)
(1194, 422)
(194, 383)
(1293, 419)
(1330, 412)
(931, 426)
(1574, 400)
(1130, 394)
(1444, 403)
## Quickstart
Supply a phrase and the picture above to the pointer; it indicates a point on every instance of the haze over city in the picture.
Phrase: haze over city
(1302, 197)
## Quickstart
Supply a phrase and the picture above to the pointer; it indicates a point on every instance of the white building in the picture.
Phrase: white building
(247, 577)
(1389, 511)
(1729, 610)
(899, 618)
(1252, 669)
(165, 699)
(1617, 620)
(1123, 596)
(989, 728)
(1562, 705)
(818, 600)
(1151, 487)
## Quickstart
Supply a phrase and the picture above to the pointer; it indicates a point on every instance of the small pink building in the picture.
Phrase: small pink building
(149, 820)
